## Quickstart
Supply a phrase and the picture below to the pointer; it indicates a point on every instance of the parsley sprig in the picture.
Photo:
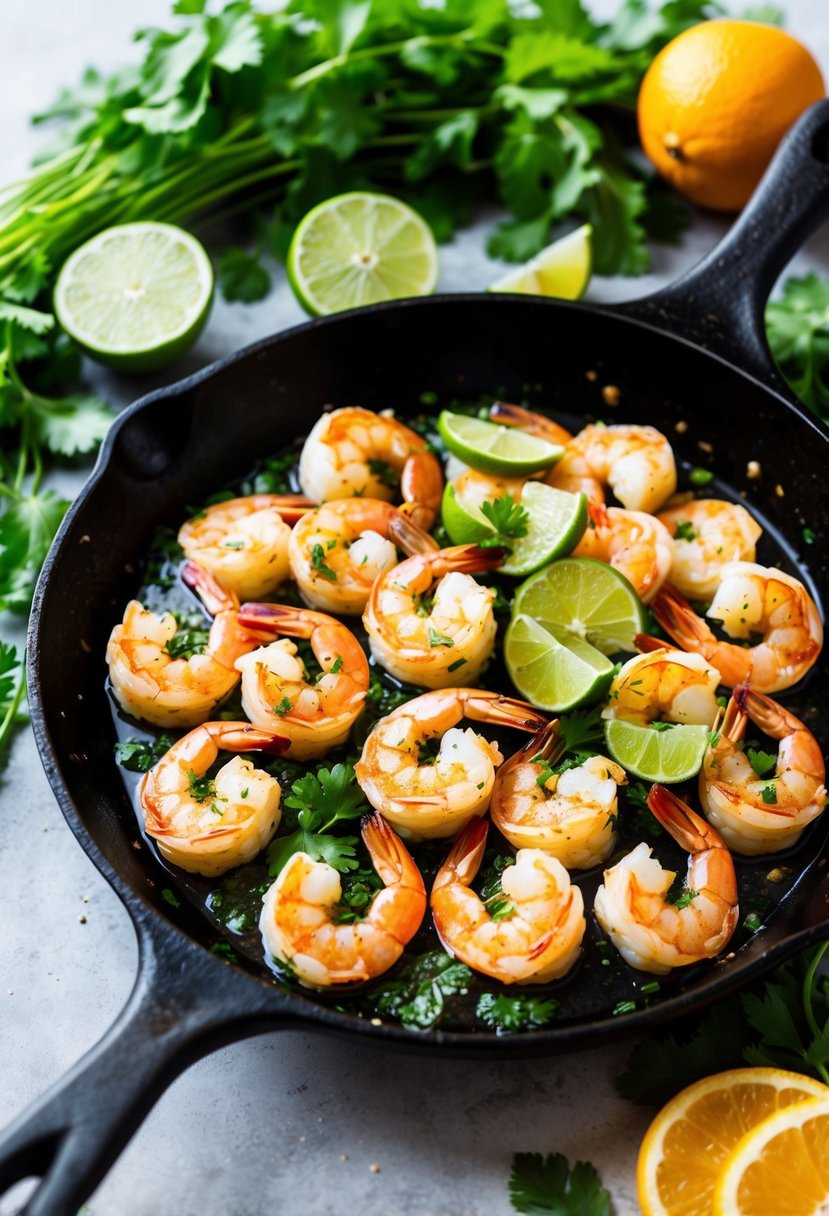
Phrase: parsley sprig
(322, 800)
(509, 521)
(12, 692)
(547, 1186)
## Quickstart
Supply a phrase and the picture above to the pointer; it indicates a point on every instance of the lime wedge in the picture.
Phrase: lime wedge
(557, 521)
(666, 756)
(562, 269)
(490, 448)
(580, 596)
(554, 672)
(135, 296)
(464, 523)
(360, 248)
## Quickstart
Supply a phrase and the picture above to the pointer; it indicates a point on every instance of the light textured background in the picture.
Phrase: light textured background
(286, 1123)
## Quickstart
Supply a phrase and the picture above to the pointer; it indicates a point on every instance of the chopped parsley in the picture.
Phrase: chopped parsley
(456, 665)
(769, 794)
(319, 564)
(509, 1014)
(201, 788)
(417, 996)
(439, 639)
(508, 518)
(383, 472)
(283, 707)
(762, 762)
(700, 477)
(547, 1186)
(139, 755)
(684, 530)
(337, 666)
(321, 800)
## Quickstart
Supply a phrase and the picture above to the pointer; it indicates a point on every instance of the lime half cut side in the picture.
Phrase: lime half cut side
(555, 673)
(361, 248)
(503, 450)
(666, 756)
(135, 296)
(562, 269)
(581, 596)
(557, 520)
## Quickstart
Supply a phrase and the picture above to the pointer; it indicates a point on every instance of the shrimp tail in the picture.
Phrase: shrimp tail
(285, 619)
(465, 856)
(774, 720)
(469, 559)
(547, 745)
(292, 507)
(483, 706)
(508, 414)
(421, 485)
(212, 594)
(691, 832)
(735, 718)
(389, 856)
(406, 533)
(645, 643)
(678, 619)
(242, 737)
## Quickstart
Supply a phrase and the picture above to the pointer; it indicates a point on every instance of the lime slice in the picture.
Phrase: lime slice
(666, 756)
(554, 671)
(562, 269)
(465, 525)
(136, 296)
(490, 448)
(580, 596)
(360, 248)
(557, 521)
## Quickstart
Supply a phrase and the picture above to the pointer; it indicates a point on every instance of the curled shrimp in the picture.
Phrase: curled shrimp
(435, 796)
(664, 684)
(354, 451)
(428, 621)
(149, 682)
(570, 815)
(650, 932)
(762, 814)
(276, 693)
(208, 827)
(244, 542)
(298, 924)
(635, 544)
(537, 934)
(750, 599)
(337, 552)
(707, 534)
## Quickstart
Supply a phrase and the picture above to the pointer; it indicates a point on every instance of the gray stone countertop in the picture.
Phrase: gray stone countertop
(293, 1122)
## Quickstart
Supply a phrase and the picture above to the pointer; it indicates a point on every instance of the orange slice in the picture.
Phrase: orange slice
(685, 1147)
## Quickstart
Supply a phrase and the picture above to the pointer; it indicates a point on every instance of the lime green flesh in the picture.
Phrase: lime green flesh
(490, 448)
(556, 672)
(361, 248)
(556, 525)
(562, 269)
(464, 524)
(136, 296)
(666, 756)
(580, 596)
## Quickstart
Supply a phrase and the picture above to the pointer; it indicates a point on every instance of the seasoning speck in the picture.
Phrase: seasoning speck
(374, 1167)
(753, 470)
(591, 376)
(376, 1022)
(343, 1156)
(82, 919)
(705, 446)
(779, 491)
(611, 394)
(681, 427)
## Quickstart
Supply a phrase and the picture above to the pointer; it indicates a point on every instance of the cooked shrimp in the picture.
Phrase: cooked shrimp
(299, 926)
(536, 936)
(428, 621)
(209, 826)
(664, 684)
(150, 683)
(424, 798)
(244, 542)
(276, 693)
(474, 488)
(762, 814)
(750, 599)
(707, 534)
(650, 932)
(637, 462)
(528, 420)
(571, 815)
(352, 451)
(338, 551)
(635, 544)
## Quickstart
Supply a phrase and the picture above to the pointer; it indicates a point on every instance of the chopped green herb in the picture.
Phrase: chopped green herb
(417, 996)
(234, 544)
(439, 639)
(170, 898)
(456, 665)
(322, 800)
(623, 1007)
(752, 922)
(508, 518)
(769, 794)
(808, 536)
(139, 755)
(186, 642)
(547, 1186)
(700, 477)
(762, 762)
(384, 473)
(318, 563)
(283, 707)
(201, 788)
(684, 530)
(337, 666)
(509, 1014)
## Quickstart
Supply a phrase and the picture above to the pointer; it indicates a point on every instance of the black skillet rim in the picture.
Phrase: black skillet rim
(304, 1008)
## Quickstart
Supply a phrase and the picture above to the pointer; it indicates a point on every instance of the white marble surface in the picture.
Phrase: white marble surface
(287, 1123)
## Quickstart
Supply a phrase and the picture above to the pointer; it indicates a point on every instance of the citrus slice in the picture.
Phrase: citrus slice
(554, 672)
(578, 595)
(685, 1147)
(557, 520)
(503, 450)
(669, 755)
(135, 296)
(782, 1166)
(360, 248)
(562, 269)
(464, 523)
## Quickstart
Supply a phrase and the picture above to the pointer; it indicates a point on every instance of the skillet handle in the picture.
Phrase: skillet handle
(720, 303)
(178, 1011)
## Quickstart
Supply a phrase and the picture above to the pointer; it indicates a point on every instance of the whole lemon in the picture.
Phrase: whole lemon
(715, 103)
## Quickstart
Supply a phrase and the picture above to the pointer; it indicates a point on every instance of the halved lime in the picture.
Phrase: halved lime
(360, 248)
(557, 521)
(554, 671)
(562, 269)
(578, 595)
(666, 756)
(135, 296)
(490, 448)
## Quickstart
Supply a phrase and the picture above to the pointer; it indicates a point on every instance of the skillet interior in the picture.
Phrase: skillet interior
(183, 443)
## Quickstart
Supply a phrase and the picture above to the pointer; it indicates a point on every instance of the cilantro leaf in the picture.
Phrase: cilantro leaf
(139, 755)
(509, 1014)
(70, 425)
(322, 799)
(242, 276)
(508, 518)
(762, 762)
(581, 729)
(27, 318)
(547, 1186)
(12, 691)
(417, 996)
(797, 327)
(27, 529)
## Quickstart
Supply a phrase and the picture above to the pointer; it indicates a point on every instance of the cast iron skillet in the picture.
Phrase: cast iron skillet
(695, 351)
